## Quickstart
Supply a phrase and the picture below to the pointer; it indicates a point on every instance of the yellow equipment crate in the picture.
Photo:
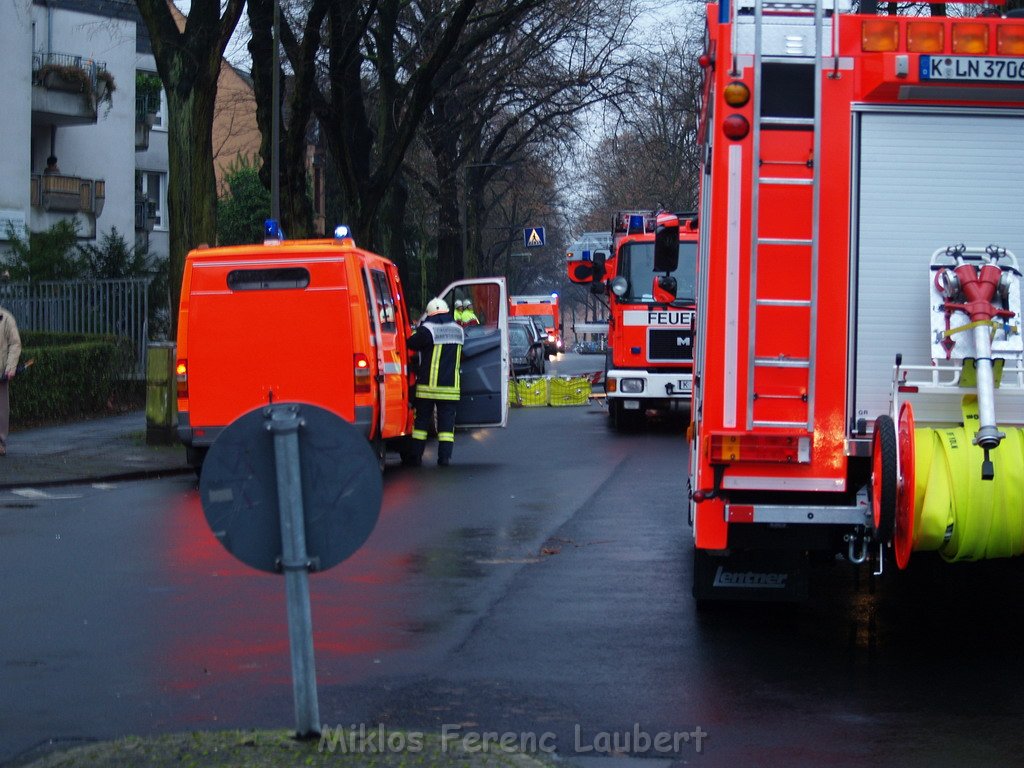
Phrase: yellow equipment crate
(569, 390)
(529, 391)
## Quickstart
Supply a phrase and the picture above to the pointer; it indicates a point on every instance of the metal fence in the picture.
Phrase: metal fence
(116, 307)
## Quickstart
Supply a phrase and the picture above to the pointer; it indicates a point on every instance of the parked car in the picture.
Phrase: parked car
(526, 348)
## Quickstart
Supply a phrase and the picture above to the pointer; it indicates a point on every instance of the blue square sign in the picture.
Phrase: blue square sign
(533, 237)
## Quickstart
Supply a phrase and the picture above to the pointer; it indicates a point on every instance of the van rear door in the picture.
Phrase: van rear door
(265, 329)
(485, 356)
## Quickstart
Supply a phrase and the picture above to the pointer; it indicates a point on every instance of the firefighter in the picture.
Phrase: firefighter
(439, 342)
(458, 311)
(468, 315)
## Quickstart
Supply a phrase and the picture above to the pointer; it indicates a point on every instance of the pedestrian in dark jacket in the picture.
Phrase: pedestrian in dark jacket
(439, 342)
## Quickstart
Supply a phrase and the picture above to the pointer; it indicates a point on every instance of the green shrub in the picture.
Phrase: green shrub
(73, 375)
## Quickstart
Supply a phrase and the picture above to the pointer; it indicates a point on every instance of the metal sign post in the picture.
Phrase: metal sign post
(284, 424)
(301, 501)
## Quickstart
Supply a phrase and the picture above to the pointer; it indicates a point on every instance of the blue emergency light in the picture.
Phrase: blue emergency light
(272, 234)
(342, 231)
(636, 223)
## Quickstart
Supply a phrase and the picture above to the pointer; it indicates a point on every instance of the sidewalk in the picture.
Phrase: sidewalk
(108, 448)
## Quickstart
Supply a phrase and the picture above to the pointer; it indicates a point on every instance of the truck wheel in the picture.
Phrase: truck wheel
(883, 477)
(195, 458)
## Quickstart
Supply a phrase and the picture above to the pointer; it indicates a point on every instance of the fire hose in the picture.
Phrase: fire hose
(956, 512)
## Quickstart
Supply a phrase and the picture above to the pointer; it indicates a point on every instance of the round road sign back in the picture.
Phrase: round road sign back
(340, 482)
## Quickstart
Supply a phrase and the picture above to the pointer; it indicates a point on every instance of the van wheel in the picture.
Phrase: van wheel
(195, 458)
(380, 450)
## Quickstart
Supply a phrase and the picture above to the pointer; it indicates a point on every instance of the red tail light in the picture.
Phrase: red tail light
(362, 372)
(181, 376)
(748, 446)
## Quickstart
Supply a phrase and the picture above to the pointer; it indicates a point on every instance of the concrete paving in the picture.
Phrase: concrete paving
(108, 448)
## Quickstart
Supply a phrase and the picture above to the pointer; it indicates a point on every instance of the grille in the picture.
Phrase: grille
(673, 344)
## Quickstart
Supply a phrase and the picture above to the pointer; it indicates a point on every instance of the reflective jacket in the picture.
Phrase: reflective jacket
(439, 341)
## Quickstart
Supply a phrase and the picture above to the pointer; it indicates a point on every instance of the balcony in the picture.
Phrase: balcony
(147, 107)
(67, 89)
(145, 214)
(57, 193)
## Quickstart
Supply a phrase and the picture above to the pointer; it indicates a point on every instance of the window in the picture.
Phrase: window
(636, 264)
(385, 303)
(160, 121)
(152, 185)
(787, 90)
(268, 279)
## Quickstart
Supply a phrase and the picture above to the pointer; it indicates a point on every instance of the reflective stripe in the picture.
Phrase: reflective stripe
(458, 370)
(435, 362)
(437, 393)
(446, 437)
(419, 434)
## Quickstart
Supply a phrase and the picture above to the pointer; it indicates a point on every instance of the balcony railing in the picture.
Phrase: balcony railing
(68, 194)
(69, 89)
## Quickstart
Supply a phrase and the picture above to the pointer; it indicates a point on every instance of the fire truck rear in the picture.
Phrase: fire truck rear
(860, 368)
(649, 362)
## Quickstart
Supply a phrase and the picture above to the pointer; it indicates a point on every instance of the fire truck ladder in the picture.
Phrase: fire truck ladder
(798, 313)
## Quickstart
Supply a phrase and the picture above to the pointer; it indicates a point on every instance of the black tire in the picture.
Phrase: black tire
(380, 450)
(883, 477)
(195, 457)
(623, 420)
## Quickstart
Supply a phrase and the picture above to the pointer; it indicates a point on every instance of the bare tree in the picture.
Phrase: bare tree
(650, 158)
(189, 62)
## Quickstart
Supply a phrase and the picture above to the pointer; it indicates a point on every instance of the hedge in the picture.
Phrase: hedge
(73, 375)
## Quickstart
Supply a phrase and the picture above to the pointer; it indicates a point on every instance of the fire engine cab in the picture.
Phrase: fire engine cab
(321, 322)
(649, 361)
(859, 386)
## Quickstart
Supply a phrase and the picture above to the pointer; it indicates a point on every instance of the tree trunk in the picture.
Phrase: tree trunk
(191, 181)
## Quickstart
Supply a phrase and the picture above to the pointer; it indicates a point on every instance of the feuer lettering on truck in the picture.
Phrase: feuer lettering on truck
(677, 318)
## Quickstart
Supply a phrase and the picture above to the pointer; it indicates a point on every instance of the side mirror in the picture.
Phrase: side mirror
(664, 289)
(666, 243)
(599, 260)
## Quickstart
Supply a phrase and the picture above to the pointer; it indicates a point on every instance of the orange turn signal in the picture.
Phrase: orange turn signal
(736, 94)
(878, 35)
(970, 37)
(1010, 40)
(925, 36)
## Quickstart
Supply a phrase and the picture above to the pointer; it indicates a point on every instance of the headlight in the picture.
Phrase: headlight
(619, 286)
(631, 386)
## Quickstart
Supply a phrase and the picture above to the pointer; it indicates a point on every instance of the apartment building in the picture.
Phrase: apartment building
(76, 142)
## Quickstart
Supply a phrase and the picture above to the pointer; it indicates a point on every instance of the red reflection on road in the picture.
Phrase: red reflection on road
(228, 623)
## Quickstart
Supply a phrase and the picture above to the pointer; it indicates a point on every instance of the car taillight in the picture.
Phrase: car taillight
(748, 446)
(362, 372)
(181, 377)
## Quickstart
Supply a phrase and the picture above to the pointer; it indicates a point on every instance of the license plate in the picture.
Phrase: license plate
(976, 68)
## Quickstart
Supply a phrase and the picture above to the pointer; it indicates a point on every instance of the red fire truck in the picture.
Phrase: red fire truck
(546, 309)
(859, 386)
(649, 362)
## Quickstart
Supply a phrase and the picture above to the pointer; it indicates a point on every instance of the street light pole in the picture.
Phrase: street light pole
(275, 120)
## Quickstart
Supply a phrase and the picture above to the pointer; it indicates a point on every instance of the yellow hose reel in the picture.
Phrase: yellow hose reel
(928, 493)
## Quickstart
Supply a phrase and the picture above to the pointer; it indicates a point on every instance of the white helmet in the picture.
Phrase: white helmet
(459, 304)
(436, 306)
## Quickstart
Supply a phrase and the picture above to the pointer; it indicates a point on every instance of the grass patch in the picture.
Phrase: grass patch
(278, 749)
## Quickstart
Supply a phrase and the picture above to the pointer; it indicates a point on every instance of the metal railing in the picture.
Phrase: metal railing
(67, 61)
(116, 307)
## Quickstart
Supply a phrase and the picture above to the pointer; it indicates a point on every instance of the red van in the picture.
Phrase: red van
(321, 322)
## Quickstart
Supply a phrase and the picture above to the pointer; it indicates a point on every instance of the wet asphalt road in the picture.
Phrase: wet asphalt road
(539, 585)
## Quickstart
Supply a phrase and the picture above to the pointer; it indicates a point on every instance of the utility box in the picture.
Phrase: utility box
(161, 403)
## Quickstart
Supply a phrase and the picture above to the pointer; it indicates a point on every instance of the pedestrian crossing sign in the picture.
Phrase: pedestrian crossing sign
(533, 237)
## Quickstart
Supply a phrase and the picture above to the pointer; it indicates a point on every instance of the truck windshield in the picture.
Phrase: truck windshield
(636, 264)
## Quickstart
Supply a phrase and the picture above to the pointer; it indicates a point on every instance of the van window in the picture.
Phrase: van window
(385, 302)
(268, 279)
